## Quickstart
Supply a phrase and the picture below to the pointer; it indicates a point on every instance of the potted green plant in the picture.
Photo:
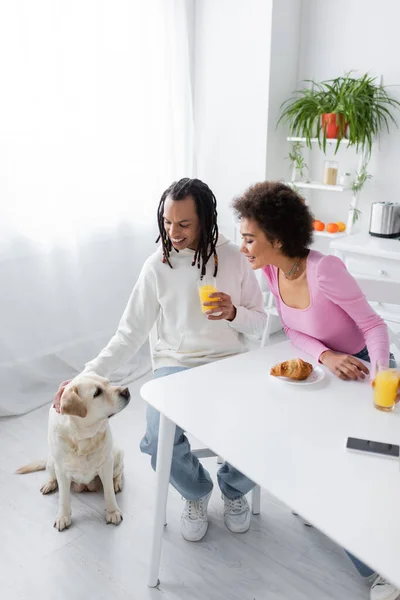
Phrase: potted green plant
(357, 107)
(297, 162)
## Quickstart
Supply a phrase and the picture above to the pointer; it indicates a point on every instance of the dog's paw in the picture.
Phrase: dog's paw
(62, 522)
(117, 484)
(115, 517)
(49, 487)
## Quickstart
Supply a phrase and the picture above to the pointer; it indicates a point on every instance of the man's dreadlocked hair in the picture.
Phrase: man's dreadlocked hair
(206, 208)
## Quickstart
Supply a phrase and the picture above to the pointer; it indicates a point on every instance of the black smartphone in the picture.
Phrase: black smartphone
(390, 450)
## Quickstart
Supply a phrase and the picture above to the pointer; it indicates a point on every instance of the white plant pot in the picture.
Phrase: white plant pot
(296, 174)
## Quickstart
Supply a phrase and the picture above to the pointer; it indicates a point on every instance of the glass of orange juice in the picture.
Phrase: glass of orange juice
(207, 286)
(385, 387)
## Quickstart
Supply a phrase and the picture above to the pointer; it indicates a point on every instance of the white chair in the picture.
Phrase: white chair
(273, 319)
(206, 452)
(272, 313)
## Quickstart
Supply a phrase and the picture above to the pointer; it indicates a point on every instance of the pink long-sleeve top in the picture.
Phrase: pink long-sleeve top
(338, 318)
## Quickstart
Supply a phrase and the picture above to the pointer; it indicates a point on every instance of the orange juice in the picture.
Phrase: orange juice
(385, 389)
(204, 293)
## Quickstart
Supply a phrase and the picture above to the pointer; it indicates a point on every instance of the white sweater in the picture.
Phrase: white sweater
(170, 296)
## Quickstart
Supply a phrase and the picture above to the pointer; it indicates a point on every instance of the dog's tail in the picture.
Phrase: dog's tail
(39, 465)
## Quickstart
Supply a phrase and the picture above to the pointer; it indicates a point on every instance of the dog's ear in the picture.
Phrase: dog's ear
(72, 404)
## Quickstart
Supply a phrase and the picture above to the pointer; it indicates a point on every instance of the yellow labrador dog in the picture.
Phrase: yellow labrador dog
(81, 449)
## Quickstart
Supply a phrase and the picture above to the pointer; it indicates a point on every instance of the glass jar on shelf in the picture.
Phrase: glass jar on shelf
(345, 179)
(330, 173)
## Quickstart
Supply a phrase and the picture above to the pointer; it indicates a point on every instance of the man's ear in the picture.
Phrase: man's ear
(72, 404)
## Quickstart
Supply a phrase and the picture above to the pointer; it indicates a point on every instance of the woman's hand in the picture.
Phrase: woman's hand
(222, 304)
(57, 397)
(344, 366)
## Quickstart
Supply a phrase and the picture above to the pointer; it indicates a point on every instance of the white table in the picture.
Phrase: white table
(290, 440)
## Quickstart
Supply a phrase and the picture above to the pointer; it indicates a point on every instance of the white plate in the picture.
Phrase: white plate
(316, 376)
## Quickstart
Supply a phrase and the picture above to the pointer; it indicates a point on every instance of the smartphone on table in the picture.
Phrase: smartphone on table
(379, 448)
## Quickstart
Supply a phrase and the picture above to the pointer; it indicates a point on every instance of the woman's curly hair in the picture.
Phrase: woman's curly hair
(281, 213)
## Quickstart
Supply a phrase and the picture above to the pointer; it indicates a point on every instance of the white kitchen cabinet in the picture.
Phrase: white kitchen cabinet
(377, 259)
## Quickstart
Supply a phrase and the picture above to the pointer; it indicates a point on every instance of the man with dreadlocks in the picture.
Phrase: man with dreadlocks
(166, 293)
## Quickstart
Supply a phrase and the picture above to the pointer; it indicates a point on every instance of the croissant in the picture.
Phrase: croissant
(294, 369)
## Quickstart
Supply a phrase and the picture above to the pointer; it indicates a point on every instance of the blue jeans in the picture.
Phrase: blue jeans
(361, 567)
(188, 476)
(363, 355)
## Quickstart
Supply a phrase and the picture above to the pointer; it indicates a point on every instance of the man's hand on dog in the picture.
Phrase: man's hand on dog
(57, 397)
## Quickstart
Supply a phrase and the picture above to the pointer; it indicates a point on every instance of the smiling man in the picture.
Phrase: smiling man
(166, 294)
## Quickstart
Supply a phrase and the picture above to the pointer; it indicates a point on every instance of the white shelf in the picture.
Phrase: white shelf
(333, 236)
(316, 185)
(344, 141)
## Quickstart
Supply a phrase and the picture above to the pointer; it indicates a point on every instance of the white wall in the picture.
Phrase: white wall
(352, 34)
(285, 41)
(246, 62)
(232, 57)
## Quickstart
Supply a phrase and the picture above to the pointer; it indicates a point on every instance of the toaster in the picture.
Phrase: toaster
(385, 219)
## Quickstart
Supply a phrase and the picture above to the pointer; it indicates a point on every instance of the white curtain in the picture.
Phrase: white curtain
(96, 121)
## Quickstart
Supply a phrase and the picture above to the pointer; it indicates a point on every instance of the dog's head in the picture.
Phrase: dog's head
(93, 398)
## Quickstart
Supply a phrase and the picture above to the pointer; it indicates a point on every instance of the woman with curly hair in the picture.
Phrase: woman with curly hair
(322, 309)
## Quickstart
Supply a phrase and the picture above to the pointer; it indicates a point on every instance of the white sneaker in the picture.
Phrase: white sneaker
(194, 521)
(383, 590)
(237, 514)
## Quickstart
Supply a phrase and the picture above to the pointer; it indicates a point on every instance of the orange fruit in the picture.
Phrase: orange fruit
(332, 228)
(319, 225)
(341, 225)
